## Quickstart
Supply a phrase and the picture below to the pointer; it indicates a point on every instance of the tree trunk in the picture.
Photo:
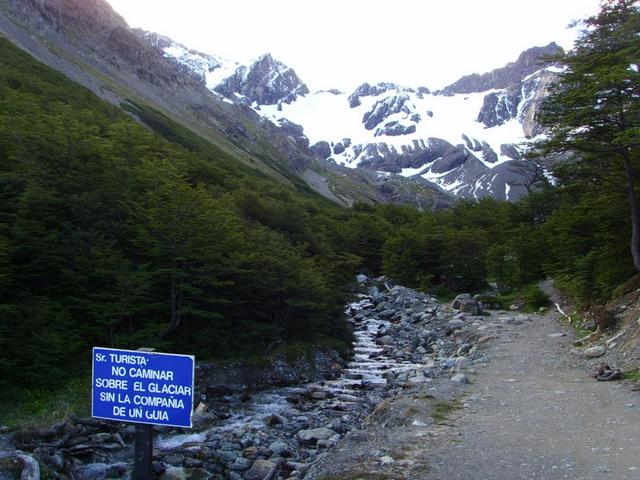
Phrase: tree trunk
(175, 308)
(633, 205)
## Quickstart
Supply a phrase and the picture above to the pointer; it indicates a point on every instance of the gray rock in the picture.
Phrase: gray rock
(195, 463)
(461, 363)
(311, 437)
(465, 303)
(240, 464)
(226, 456)
(394, 129)
(280, 448)
(91, 471)
(366, 90)
(173, 473)
(322, 149)
(336, 425)
(374, 292)
(387, 340)
(529, 62)
(387, 460)
(388, 313)
(499, 107)
(384, 108)
(454, 324)
(595, 352)
(319, 394)
(261, 470)
(448, 362)
(460, 378)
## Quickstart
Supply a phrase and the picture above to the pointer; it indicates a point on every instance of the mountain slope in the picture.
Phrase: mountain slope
(92, 45)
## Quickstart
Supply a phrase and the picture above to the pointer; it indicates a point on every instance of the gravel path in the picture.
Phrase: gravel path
(535, 413)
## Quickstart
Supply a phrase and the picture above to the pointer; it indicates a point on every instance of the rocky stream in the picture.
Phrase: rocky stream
(404, 340)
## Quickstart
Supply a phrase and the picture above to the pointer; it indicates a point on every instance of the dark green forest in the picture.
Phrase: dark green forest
(117, 235)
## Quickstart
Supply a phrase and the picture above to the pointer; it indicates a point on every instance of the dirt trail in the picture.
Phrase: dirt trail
(534, 413)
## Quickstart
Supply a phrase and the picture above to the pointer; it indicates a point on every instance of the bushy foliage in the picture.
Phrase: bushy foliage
(112, 235)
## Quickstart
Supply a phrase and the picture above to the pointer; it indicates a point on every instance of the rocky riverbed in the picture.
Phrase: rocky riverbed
(406, 341)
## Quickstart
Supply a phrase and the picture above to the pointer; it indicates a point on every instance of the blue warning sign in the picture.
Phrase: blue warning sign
(142, 387)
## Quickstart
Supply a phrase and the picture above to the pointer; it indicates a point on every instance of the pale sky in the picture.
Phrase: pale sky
(343, 43)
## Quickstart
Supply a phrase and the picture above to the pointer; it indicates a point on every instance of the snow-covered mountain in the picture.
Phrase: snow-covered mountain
(467, 138)
(208, 68)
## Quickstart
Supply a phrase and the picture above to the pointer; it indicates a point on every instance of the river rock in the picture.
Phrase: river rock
(336, 425)
(240, 464)
(465, 303)
(460, 378)
(454, 324)
(595, 352)
(448, 362)
(387, 340)
(273, 420)
(280, 448)
(461, 363)
(319, 394)
(261, 470)
(174, 473)
(250, 452)
(21, 463)
(387, 460)
(226, 456)
(98, 471)
(311, 437)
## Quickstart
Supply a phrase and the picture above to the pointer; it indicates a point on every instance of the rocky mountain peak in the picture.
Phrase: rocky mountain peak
(94, 25)
(266, 81)
(510, 75)
(159, 41)
(206, 68)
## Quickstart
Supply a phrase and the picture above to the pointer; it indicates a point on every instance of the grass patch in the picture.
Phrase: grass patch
(411, 411)
(633, 375)
(576, 321)
(442, 410)
(38, 406)
(529, 298)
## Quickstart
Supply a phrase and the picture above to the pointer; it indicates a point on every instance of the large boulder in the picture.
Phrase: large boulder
(261, 470)
(595, 352)
(465, 303)
(19, 464)
(322, 149)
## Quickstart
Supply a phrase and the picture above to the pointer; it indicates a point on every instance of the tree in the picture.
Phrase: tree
(594, 108)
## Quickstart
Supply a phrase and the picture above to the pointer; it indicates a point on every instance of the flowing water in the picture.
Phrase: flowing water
(366, 371)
